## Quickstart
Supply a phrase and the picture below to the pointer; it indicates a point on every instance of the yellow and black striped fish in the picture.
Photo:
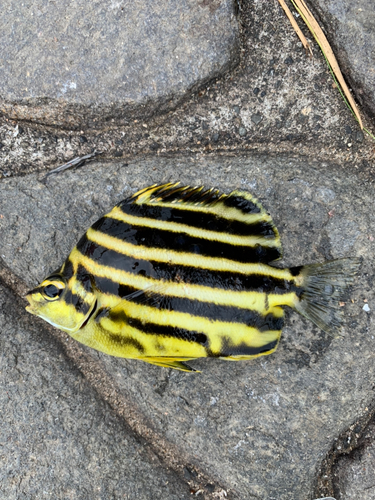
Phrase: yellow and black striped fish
(176, 273)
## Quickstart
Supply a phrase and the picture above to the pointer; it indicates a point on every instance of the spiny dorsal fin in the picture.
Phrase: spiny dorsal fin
(174, 193)
(197, 195)
(238, 206)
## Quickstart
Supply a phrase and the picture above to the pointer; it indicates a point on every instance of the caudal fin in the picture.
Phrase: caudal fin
(324, 287)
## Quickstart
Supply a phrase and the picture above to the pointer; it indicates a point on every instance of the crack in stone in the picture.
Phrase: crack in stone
(347, 442)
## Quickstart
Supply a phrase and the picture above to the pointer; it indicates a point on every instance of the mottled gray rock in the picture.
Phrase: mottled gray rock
(57, 439)
(301, 113)
(351, 27)
(261, 427)
(354, 476)
(357, 478)
(72, 63)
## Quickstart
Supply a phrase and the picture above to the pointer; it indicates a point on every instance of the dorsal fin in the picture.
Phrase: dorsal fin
(238, 206)
(174, 193)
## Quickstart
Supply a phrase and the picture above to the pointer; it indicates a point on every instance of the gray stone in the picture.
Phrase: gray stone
(354, 474)
(74, 63)
(359, 136)
(350, 25)
(208, 122)
(322, 211)
(261, 427)
(58, 439)
(342, 233)
(256, 118)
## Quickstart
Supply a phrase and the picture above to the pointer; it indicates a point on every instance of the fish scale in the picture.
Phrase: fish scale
(175, 273)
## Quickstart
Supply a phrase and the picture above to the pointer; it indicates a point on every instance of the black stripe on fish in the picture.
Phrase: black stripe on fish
(228, 348)
(230, 314)
(77, 301)
(85, 278)
(156, 329)
(122, 341)
(105, 285)
(242, 204)
(295, 271)
(93, 311)
(182, 242)
(200, 220)
(226, 280)
(209, 310)
(37, 289)
(68, 269)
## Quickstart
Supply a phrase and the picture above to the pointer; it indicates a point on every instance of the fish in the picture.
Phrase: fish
(174, 273)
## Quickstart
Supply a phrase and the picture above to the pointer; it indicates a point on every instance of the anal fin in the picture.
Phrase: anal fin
(168, 362)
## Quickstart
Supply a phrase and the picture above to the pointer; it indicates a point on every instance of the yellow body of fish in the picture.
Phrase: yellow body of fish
(177, 273)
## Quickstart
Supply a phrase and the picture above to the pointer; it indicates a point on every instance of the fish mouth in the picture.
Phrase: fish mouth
(92, 312)
(29, 308)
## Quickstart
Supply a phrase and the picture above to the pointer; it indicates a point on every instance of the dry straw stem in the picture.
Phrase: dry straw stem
(325, 47)
(297, 29)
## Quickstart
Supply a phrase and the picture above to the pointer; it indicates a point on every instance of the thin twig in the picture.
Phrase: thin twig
(76, 162)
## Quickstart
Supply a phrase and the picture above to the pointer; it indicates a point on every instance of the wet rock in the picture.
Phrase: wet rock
(73, 64)
(351, 27)
(261, 427)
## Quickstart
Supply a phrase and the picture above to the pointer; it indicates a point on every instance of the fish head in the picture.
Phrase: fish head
(63, 304)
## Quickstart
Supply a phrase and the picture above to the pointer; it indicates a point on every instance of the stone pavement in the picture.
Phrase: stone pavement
(350, 28)
(73, 63)
(354, 474)
(58, 439)
(79, 424)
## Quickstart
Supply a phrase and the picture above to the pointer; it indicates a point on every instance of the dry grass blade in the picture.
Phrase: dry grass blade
(325, 47)
(297, 29)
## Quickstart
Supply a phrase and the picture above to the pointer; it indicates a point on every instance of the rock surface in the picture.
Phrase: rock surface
(260, 428)
(283, 99)
(354, 474)
(58, 439)
(351, 27)
(245, 430)
(73, 63)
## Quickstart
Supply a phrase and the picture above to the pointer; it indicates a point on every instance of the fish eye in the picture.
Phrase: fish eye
(52, 290)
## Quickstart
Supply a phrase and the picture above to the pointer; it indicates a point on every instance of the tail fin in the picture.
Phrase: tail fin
(324, 287)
